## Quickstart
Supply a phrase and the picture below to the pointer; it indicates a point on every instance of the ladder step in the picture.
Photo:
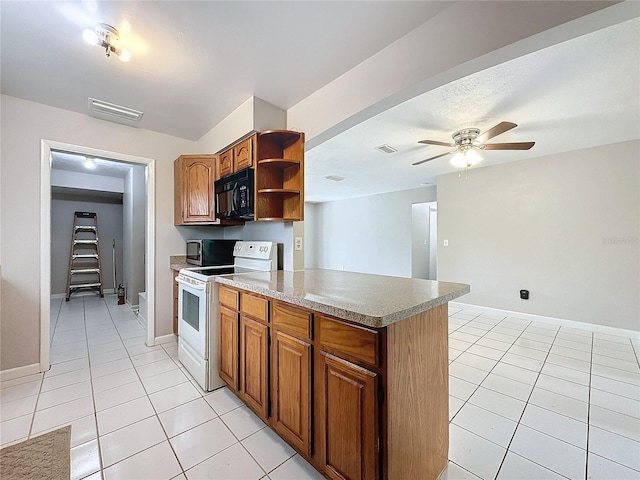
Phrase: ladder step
(85, 228)
(84, 270)
(86, 242)
(84, 285)
(84, 255)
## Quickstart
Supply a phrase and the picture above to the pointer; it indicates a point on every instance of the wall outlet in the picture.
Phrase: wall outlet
(298, 243)
(524, 294)
(445, 243)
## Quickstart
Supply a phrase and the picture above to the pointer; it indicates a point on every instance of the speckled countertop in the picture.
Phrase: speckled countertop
(373, 300)
(176, 262)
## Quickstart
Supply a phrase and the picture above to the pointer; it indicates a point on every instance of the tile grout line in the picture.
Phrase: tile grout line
(586, 466)
(156, 414)
(524, 409)
(93, 397)
(35, 407)
(102, 468)
(489, 372)
(480, 383)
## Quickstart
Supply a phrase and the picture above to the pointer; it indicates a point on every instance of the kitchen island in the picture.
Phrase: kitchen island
(350, 369)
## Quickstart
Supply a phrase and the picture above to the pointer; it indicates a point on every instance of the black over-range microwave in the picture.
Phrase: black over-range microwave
(234, 195)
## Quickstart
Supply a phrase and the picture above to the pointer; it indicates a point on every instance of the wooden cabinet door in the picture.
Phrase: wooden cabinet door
(225, 163)
(197, 189)
(254, 365)
(291, 383)
(229, 347)
(351, 420)
(243, 155)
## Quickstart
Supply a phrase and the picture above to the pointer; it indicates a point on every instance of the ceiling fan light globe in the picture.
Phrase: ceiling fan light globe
(125, 56)
(90, 36)
(465, 158)
(459, 160)
(472, 157)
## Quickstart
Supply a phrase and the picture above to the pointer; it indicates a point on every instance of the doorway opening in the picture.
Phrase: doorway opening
(424, 240)
(121, 187)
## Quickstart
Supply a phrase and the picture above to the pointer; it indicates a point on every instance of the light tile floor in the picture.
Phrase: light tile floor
(527, 401)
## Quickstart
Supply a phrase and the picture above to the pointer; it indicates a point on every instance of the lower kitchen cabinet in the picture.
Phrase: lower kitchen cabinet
(229, 347)
(351, 420)
(291, 390)
(359, 403)
(254, 365)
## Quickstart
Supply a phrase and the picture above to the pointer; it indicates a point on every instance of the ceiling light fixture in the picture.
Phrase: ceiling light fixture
(466, 156)
(104, 35)
(89, 163)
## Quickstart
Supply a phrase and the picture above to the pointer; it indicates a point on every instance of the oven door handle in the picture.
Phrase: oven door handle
(191, 286)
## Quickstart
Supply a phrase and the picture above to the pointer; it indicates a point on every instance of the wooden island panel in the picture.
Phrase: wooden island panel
(418, 395)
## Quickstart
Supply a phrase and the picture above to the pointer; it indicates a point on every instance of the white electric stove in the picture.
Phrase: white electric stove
(198, 308)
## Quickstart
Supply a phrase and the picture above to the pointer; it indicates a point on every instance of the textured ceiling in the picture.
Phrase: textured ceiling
(577, 94)
(195, 62)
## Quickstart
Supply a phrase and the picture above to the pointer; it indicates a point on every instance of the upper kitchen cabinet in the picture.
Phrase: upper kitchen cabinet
(243, 154)
(193, 189)
(279, 176)
(236, 158)
(225, 164)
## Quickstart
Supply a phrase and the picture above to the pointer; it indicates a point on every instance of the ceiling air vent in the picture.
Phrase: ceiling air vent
(386, 148)
(334, 178)
(113, 112)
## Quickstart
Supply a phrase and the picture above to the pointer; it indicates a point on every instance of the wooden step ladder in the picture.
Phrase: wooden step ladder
(84, 258)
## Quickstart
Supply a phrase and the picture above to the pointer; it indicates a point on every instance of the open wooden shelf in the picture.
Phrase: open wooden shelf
(279, 191)
(279, 179)
(279, 162)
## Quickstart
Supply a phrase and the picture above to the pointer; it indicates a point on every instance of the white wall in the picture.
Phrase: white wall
(109, 227)
(565, 227)
(134, 202)
(24, 125)
(279, 232)
(309, 248)
(63, 178)
(420, 240)
(254, 114)
(369, 234)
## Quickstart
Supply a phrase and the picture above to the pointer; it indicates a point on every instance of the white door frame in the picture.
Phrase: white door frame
(45, 237)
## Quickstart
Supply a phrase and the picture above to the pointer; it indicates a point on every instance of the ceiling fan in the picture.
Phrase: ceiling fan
(468, 141)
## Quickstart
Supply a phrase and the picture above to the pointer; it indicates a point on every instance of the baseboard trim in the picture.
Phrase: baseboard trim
(165, 339)
(58, 295)
(620, 332)
(17, 372)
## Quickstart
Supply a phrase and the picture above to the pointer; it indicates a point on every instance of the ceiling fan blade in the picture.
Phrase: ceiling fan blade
(432, 158)
(435, 142)
(495, 131)
(509, 146)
